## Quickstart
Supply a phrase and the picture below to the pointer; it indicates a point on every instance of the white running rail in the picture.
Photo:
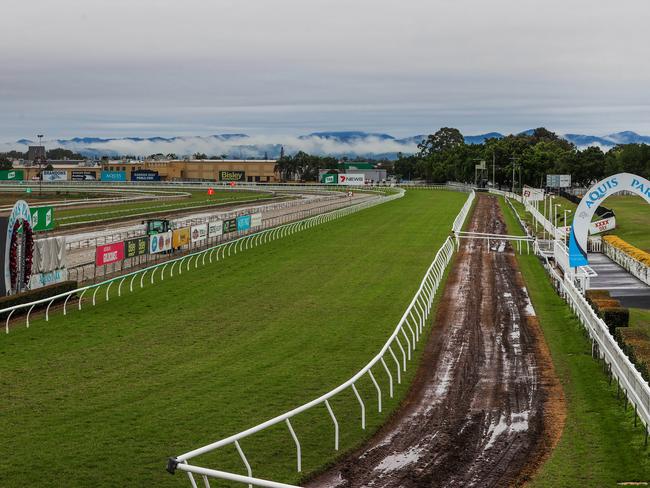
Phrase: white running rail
(604, 346)
(396, 352)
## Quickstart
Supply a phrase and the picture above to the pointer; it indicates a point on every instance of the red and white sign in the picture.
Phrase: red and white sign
(348, 179)
(109, 253)
(533, 194)
(232, 183)
(210, 191)
(602, 225)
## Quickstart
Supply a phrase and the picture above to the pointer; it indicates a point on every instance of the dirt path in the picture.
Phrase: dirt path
(474, 415)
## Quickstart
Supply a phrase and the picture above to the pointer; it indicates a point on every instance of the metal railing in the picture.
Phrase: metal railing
(89, 271)
(604, 346)
(222, 250)
(397, 351)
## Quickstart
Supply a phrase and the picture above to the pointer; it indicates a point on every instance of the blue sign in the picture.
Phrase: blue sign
(145, 175)
(113, 176)
(243, 222)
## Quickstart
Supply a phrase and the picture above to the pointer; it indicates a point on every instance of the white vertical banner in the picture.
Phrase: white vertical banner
(215, 228)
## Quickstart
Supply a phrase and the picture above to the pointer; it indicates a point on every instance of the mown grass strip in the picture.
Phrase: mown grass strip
(101, 397)
(599, 445)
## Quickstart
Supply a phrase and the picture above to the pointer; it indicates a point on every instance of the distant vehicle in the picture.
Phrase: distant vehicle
(157, 226)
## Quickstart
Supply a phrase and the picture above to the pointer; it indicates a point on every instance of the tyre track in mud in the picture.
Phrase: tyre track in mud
(485, 407)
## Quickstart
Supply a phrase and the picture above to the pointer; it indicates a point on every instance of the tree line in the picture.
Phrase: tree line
(444, 156)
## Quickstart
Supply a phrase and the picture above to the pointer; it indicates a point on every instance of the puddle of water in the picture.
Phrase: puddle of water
(515, 422)
(399, 460)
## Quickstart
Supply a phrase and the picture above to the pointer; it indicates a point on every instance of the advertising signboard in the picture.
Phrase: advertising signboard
(349, 179)
(558, 181)
(160, 242)
(136, 247)
(181, 237)
(42, 218)
(329, 179)
(40, 280)
(109, 253)
(83, 175)
(602, 225)
(243, 222)
(229, 225)
(12, 174)
(55, 175)
(113, 176)
(533, 194)
(256, 220)
(145, 175)
(215, 229)
(199, 233)
(232, 176)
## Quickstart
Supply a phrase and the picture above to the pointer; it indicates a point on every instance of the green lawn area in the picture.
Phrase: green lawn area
(599, 446)
(103, 396)
(632, 219)
(198, 199)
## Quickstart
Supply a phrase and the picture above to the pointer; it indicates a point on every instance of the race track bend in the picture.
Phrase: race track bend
(485, 408)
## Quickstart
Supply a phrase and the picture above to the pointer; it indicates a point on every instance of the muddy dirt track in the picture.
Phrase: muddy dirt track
(485, 407)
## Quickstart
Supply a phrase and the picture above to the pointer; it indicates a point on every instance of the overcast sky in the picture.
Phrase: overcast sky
(197, 67)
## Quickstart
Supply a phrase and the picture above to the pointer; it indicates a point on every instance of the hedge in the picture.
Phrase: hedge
(614, 317)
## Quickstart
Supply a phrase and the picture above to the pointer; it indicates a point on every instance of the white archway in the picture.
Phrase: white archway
(590, 202)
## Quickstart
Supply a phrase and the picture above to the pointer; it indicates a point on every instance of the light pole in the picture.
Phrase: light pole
(555, 205)
(40, 166)
(566, 210)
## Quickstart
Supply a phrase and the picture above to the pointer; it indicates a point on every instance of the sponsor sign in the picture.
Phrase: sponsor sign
(232, 176)
(54, 175)
(181, 237)
(602, 225)
(42, 218)
(256, 220)
(145, 175)
(136, 247)
(109, 253)
(51, 277)
(12, 174)
(215, 229)
(20, 211)
(349, 179)
(558, 181)
(590, 202)
(199, 232)
(329, 179)
(243, 222)
(113, 176)
(85, 175)
(533, 194)
(160, 242)
(229, 225)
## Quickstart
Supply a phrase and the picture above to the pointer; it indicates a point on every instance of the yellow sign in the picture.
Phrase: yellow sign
(181, 237)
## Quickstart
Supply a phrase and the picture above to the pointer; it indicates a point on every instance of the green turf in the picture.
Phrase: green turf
(632, 219)
(198, 199)
(599, 445)
(101, 397)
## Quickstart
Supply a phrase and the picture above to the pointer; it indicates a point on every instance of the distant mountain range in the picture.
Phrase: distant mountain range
(338, 143)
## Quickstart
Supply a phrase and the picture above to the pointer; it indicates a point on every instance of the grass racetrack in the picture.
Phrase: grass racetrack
(198, 199)
(101, 397)
(599, 445)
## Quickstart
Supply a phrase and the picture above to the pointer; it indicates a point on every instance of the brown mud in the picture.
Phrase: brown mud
(485, 408)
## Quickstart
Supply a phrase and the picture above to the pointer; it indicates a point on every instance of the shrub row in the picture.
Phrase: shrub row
(629, 249)
(609, 309)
